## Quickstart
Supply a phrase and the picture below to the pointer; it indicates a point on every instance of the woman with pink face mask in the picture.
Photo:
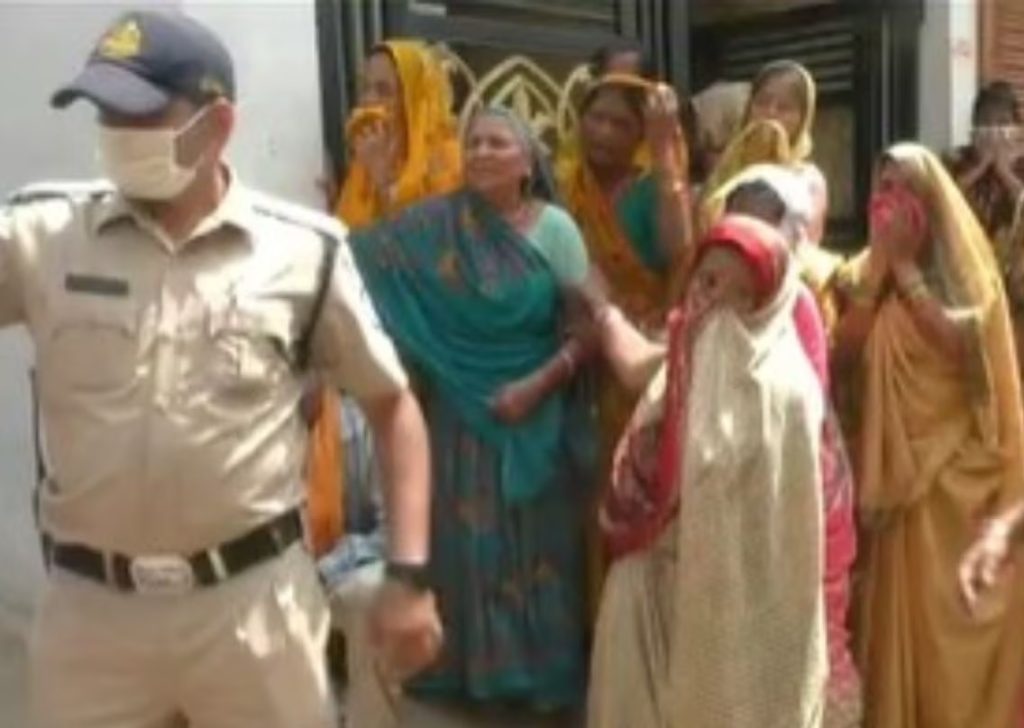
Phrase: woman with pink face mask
(941, 447)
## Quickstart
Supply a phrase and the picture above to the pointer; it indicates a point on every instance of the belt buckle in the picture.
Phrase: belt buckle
(163, 575)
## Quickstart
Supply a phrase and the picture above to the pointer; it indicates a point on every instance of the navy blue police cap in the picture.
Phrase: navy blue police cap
(147, 59)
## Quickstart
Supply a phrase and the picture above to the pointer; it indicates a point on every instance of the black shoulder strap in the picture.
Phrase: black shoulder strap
(304, 344)
(37, 435)
(41, 474)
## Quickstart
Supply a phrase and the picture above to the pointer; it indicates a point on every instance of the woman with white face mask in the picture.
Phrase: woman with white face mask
(990, 173)
(990, 170)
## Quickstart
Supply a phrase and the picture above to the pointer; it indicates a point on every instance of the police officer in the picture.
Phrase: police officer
(175, 315)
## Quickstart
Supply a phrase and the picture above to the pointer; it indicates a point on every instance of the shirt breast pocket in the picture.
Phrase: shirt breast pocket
(250, 347)
(92, 343)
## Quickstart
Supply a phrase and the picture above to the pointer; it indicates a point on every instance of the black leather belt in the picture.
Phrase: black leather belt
(172, 574)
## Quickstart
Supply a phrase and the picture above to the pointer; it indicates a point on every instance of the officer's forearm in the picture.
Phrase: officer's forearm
(400, 437)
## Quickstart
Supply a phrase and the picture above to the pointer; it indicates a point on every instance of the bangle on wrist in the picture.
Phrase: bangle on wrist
(675, 183)
(918, 291)
(912, 286)
(864, 294)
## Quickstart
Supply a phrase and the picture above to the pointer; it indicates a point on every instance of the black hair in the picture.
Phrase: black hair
(602, 57)
(634, 96)
(996, 95)
(758, 199)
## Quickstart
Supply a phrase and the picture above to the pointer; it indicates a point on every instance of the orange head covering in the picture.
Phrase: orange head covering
(433, 164)
(571, 154)
(641, 292)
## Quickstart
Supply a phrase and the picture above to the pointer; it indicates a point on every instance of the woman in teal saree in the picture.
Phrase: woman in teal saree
(471, 286)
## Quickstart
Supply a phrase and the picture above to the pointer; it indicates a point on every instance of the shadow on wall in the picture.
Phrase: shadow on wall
(21, 575)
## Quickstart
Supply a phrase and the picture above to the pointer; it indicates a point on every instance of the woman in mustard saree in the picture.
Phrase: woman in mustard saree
(941, 447)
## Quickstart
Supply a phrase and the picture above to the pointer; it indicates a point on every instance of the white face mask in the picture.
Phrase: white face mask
(143, 163)
(993, 134)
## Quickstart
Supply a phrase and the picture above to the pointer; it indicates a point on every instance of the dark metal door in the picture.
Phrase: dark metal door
(557, 34)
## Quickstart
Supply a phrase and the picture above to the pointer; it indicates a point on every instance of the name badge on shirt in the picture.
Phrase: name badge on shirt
(96, 285)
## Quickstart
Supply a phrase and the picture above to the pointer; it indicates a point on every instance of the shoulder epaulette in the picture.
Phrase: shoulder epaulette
(71, 191)
(302, 217)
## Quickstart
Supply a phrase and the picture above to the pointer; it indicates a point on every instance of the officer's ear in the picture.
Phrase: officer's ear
(206, 134)
(221, 124)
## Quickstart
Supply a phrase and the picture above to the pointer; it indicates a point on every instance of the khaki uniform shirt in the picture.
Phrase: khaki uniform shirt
(167, 391)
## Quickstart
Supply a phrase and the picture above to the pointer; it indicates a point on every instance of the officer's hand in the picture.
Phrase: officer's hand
(405, 630)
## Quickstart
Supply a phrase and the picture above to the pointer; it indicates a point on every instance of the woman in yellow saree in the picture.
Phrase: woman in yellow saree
(777, 129)
(404, 146)
(942, 446)
(403, 136)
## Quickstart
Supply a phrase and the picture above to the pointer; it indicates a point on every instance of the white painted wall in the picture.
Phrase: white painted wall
(949, 71)
(278, 145)
(277, 148)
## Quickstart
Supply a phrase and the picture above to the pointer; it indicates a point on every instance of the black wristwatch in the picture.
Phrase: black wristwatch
(414, 576)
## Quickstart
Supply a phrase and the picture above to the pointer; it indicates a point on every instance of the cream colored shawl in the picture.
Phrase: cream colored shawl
(722, 622)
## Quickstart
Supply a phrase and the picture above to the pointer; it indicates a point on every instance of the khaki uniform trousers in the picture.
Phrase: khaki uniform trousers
(247, 653)
(372, 701)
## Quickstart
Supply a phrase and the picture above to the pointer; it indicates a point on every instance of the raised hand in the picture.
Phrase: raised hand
(376, 148)
(664, 134)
